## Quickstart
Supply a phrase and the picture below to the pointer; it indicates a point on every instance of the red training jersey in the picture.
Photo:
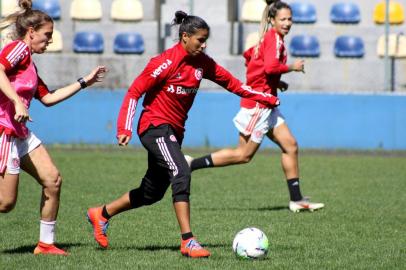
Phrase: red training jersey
(170, 82)
(264, 70)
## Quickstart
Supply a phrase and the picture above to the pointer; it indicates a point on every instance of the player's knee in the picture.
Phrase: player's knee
(52, 183)
(243, 157)
(7, 205)
(293, 147)
(181, 187)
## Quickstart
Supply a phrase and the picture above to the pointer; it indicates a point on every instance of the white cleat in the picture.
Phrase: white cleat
(189, 160)
(304, 204)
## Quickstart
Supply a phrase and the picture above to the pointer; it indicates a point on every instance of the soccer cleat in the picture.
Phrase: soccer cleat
(99, 224)
(304, 204)
(191, 248)
(189, 160)
(48, 249)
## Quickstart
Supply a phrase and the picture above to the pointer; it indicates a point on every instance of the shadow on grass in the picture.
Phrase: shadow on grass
(268, 208)
(165, 247)
(30, 248)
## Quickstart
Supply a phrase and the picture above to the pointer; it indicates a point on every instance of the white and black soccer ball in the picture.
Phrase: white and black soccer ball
(250, 243)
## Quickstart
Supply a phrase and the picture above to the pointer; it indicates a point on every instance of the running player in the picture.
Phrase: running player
(20, 148)
(266, 62)
(170, 82)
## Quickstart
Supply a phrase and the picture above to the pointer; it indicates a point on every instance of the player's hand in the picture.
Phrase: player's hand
(97, 75)
(283, 86)
(123, 139)
(21, 114)
(298, 65)
(272, 101)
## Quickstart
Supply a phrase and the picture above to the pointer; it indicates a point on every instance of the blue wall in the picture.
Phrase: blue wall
(317, 120)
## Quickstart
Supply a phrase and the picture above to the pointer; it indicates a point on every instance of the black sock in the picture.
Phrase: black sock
(202, 162)
(105, 214)
(186, 236)
(294, 189)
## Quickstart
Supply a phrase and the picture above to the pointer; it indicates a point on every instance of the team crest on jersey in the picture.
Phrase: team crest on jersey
(199, 74)
(172, 138)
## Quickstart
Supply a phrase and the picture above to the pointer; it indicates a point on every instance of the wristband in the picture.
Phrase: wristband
(82, 83)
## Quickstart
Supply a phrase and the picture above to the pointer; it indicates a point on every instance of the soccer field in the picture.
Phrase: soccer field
(362, 227)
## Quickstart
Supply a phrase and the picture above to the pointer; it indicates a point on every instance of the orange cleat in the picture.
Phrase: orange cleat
(100, 225)
(48, 249)
(191, 248)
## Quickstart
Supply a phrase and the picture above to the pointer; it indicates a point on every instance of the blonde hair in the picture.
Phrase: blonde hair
(270, 11)
(23, 19)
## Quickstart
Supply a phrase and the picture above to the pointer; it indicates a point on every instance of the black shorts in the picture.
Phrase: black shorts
(166, 165)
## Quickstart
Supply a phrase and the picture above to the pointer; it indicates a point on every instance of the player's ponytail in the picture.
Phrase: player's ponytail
(189, 24)
(270, 11)
(24, 18)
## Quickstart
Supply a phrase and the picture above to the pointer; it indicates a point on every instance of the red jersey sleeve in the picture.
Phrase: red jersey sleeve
(42, 89)
(153, 75)
(271, 53)
(248, 55)
(222, 77)
(15, 53)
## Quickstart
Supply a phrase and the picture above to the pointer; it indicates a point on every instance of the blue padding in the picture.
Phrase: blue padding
(303, 12)
(129, 43)
(345, 13)
(88, 42)
(51, 7)
(349, 46)
(305, 45)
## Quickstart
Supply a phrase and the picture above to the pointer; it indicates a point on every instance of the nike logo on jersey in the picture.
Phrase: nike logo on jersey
(161, 68)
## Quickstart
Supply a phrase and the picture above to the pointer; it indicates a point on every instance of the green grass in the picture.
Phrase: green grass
(362, 227)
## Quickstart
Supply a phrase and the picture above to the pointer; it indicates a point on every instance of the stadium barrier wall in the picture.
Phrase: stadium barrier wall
(318, 120)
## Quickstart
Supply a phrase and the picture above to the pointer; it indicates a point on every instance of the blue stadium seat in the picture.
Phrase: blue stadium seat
(345, 13)
(304, 46)
(51, 7)
(129, 43)
(349, 46)
(303, 12)
(88, 42)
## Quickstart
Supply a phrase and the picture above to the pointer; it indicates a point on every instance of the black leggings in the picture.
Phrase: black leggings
(166, 166)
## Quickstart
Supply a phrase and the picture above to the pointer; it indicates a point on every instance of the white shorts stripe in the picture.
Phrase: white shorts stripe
(167, 155)
(253, 120)
(4, 151)
(130, 114)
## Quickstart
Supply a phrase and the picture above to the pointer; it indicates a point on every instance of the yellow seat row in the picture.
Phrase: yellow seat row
(252, 12)
(121, 10)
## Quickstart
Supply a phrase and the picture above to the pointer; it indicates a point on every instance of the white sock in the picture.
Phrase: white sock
(47, 232)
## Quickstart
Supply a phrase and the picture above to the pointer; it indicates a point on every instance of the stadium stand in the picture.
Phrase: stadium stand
(349, 46)
(345, 13)
(127, 10)
(396, 13)
(303, 12)
(57, 42)
(304, 46)
(86, 10)
(396, 46)
(128, 43)
(8, 7)
(51, 7)
(88, 42)
(251, 40)
(251, 10)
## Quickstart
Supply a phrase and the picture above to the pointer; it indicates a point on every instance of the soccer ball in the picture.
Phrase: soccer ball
(250, 243)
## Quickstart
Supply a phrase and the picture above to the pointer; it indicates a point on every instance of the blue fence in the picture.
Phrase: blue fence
(324, 121)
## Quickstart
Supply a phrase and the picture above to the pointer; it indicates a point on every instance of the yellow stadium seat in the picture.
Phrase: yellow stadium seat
(86, 10)
(252, 10)
(396, 46)
(8, 7)
(57, 42)
(127, 10)
(251, 40)
(396, 13)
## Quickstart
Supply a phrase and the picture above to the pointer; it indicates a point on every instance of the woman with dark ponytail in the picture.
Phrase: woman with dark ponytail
(170, 82)
(266, 62)
(20, 148)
